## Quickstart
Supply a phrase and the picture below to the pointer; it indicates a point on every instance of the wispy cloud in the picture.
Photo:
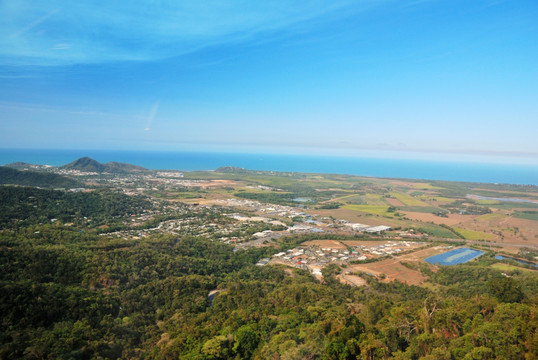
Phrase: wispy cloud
(140, 30)
(33, 24)
(152, 115)
(40, 108)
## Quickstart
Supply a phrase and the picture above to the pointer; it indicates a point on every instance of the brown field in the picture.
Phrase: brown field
(394, 202)
(513, 230)
(216, 183)
(452, 219)
(394, 270)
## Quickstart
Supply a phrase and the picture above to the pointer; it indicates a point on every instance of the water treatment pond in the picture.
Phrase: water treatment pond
(454, 257)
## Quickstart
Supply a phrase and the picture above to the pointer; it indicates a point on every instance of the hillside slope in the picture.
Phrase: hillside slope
(32, 178)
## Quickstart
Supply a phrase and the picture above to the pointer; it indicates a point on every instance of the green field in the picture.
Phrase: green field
(487, 202)
(509, 267)
(492, 216)
(436, 230)
(369, 209)
(407, 199)
(474, 235)
(425, 186)
(436, 198)
(527, 215)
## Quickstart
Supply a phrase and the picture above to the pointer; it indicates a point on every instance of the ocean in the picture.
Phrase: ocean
(362, 166)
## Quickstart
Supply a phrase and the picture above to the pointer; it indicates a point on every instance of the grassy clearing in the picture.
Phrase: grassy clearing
(527, 215)
(425, 186)
(422, 209)
(374, 199)
(369, 209)
(436, 230)
(490, 217)
(407, 199)
(510, 206)
(474, 235)
(509, 267)
(352, 199)
(175, 195)
(487, 202)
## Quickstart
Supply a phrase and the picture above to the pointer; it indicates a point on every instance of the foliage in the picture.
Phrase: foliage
(32, 178)
(22, 206)
(68, 293)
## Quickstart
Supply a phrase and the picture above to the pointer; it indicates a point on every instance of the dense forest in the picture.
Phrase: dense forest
(68, 293)
(33, 178)
(22, 206)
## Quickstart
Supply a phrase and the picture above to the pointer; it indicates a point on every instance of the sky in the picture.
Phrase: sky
(323, 77)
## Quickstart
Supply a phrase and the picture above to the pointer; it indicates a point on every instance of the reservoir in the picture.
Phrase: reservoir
(454, 257)
(523, 262)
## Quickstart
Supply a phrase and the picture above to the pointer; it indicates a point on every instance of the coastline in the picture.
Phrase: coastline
(360, 166)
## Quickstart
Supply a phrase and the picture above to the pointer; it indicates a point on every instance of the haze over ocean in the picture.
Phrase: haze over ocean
(362, 166)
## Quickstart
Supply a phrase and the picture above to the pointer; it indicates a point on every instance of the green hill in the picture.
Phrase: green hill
(85, 164)
(115, 167)
(90, 165)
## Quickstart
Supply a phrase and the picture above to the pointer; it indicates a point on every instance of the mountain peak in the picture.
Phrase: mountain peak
(85, 164)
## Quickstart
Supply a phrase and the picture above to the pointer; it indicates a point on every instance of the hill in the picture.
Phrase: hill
(115, 167)
(19, 165)
(90, 165)
(85, 164)
(32, 178)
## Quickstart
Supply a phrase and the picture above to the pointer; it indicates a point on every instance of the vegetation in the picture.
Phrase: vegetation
(70, 291)
(33, 178)
(87, 164)
(23, 206)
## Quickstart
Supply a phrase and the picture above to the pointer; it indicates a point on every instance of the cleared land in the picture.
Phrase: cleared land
(509, 267)
(451, 219)
(394, 270)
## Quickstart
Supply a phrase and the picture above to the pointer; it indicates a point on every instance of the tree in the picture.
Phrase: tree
(505, 289)
(246, 342)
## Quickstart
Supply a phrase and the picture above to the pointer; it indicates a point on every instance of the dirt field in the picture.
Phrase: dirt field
(394, 202)
(513, 230)
(452, 219)
(394, 270)
(352, 280)
(216, 183)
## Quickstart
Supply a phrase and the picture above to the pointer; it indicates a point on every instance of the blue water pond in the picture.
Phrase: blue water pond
(454, 257)
(523, 262)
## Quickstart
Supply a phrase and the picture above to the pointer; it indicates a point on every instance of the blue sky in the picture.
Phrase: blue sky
(336, 77)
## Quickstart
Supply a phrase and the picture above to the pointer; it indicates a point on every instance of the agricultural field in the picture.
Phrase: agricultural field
(407, 200)
(473, 235)
(437, 209)
(405, 268)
